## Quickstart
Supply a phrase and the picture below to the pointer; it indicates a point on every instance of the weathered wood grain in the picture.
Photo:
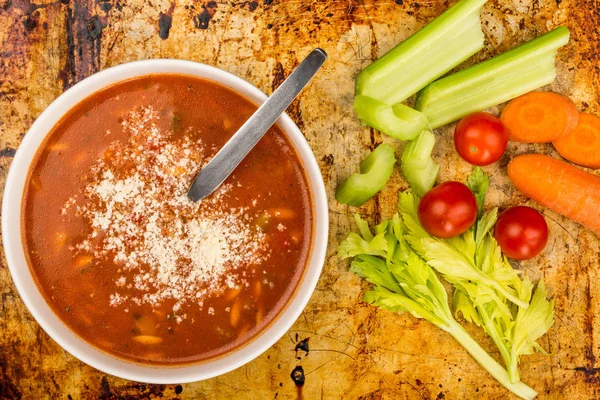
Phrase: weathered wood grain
(356, 351)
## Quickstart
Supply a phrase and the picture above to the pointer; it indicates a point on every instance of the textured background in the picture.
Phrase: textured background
(356, 351)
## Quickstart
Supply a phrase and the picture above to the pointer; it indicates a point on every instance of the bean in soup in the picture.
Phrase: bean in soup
(121, 254)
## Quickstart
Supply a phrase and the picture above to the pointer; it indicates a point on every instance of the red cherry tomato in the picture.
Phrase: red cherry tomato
(480, 138)
(521, 232)
(448, 210)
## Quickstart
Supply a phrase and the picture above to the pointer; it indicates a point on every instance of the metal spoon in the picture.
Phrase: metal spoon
(240, 144)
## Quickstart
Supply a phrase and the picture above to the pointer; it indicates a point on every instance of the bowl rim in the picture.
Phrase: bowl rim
(33, 298)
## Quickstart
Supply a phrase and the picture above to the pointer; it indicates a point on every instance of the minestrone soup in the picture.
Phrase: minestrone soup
(121, 254)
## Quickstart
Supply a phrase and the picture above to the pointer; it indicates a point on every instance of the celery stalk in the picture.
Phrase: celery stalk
(375, 170)
(398, 121)
(403, 282)
(417, 152)
(432, 51)
(494, 81)
(417, 166)
(486, 361)
(422, 180)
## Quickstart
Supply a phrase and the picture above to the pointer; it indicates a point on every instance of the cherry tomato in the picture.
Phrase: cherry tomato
(521, 232)
(480, 138)
(448, 210)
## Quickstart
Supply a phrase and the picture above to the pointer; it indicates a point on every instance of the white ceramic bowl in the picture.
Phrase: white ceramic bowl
(35, 302)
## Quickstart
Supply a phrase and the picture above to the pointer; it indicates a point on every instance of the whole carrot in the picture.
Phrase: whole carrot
(562, 187)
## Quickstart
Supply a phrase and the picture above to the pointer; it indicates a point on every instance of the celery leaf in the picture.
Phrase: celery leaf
(478, 182)
(530, 325)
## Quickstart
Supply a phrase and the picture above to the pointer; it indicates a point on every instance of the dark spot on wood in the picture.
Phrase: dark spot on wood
(84, 34)
(416, 6)
(328, 160)
(253, 5)
(418, 382)
(329, 15)
(31, 21)
(591, 374)
(297, 376)
(267, 2)
(68, 74)
(165, 20)
(178, 389)
(93, 29)
(164, 25)
(7, 152)
(399, 2)
(440, 395)
(105, 5)
(302, 346)
(278, 78)
(588, 371)
(589, 329)
(269, 26)
(105, 392)
(9, 390)
(202, 20)
(8, 3)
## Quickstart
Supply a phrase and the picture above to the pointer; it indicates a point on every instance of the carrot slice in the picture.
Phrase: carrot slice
(582, 144)
(539, 117)
(560, 186)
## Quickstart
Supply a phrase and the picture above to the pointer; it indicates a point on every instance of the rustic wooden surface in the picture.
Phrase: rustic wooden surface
(356, 351)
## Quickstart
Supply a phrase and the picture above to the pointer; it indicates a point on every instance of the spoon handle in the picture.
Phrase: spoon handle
(240, 144)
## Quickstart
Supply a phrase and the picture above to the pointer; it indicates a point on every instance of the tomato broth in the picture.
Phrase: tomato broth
(126, 260)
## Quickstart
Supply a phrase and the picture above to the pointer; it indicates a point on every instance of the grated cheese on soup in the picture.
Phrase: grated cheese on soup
(167, 247)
